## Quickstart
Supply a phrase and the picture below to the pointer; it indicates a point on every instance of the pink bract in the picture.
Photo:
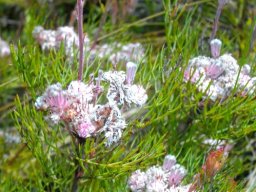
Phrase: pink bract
(213, 71)
(58, 102)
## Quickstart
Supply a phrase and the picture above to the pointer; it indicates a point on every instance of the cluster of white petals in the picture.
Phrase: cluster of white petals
(77, 106)
(214, 143)
(4, 48)
(129, 52)
(165, 178)
(53, 39)
(120, 93)
(116, 52)
(217, 77)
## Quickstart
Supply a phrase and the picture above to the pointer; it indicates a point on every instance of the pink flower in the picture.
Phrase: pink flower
(58, 102)
(85, 129)
(176, 175)
(137, 181)
(213, 71)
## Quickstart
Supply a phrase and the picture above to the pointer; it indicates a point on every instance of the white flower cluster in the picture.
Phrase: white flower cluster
(116, 52)
(129, 52)
(214, 143)
(218, 76)
(166, 178)
(10, 136)
(78, 106)
(52, 40)
(4, 48)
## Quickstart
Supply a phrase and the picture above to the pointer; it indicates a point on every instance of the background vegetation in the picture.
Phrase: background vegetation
(36, 157)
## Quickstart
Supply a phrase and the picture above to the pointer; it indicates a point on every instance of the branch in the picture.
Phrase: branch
(221, 4)
(81, 38)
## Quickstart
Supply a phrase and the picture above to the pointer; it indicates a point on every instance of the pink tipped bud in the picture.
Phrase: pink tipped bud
(169, 162)
(215, 48)
(137, 181)
(131, 69)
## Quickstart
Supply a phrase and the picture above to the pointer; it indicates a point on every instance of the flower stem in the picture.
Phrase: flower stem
(217, 18)
(79, 171)
(81, 38)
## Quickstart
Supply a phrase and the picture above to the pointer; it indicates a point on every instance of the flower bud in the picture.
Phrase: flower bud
(130, 72)
(169, 162)
(215, 48)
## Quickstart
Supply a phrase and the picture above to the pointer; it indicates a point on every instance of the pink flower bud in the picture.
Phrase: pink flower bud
(169, 162)
(215, 48)
(130, 72)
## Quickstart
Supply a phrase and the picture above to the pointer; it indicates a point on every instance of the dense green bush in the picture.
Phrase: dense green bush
(46, 158)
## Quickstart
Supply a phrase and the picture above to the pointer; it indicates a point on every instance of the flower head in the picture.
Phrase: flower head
(135, 94)
(176, 175)
(159, 179)
(156, 173)
(137, 181)
(121, 93)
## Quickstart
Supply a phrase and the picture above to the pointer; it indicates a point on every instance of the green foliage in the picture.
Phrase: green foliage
(172, 121)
